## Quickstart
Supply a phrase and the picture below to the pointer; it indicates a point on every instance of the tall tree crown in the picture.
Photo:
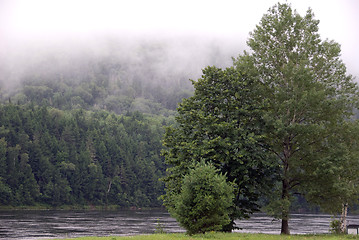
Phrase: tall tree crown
(287, 46)
(296, 66)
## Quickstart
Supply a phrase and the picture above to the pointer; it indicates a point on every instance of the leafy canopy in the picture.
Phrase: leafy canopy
(221, 124)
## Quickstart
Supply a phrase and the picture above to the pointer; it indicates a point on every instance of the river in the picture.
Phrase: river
(31, 225)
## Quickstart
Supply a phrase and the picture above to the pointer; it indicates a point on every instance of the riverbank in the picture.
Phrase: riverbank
(223, 236)
(40, 207)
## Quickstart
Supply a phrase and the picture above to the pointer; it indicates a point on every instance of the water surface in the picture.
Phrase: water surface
(32, 225)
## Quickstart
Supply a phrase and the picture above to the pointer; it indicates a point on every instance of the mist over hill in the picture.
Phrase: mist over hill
(149, 75)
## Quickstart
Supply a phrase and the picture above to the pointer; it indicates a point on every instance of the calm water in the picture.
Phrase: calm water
(30, 225)
(26, 225)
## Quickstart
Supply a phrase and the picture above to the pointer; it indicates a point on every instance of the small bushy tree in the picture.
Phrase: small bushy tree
(204, 201)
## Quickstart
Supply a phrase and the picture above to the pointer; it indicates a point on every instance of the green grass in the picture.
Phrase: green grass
(224, 236)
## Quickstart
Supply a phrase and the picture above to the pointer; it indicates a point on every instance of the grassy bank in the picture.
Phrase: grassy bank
(224, 236)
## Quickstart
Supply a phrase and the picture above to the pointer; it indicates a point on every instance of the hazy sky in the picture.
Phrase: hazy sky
(25, 22)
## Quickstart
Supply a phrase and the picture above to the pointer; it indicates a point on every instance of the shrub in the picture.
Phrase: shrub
(204, 201)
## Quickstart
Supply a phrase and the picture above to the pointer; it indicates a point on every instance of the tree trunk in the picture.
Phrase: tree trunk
(343, 219)
(285, 202)
(285, 227)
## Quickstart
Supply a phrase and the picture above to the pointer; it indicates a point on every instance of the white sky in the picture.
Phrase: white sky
(23, 22)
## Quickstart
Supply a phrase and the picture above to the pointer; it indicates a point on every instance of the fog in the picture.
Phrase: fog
(39, 35)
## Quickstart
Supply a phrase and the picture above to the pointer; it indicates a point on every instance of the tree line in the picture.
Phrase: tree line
(54, 157)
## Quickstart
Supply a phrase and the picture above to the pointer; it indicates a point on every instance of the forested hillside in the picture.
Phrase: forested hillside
(146, 76)
(83, 125)
(57, 157)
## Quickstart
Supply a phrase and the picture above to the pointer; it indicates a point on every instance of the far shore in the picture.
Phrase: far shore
(78, 207)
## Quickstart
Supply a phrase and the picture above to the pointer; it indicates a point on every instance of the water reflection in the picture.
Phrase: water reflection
(30, 225)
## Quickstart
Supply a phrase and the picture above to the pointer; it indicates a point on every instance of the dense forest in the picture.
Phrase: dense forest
(57, 157)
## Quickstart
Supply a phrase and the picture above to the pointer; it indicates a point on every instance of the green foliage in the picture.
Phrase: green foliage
(222, 124)
(338, 179)
(276, 207)
(54, 157)
(204, 201)
(159, 228)
(335, 226)
(309, 100)
(284, 109)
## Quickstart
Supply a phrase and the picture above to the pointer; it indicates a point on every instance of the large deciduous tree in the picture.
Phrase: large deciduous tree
(309, 95)
(221, 124)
